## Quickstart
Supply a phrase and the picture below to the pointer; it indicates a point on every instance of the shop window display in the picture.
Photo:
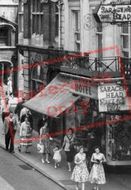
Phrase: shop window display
(118, 139)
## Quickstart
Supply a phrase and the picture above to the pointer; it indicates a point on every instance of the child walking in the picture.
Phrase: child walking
(57, 156)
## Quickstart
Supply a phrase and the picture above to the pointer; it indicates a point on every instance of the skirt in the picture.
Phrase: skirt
(80, 173)
(46, 144)
(97, 174)
(26, 141)
(69, 156)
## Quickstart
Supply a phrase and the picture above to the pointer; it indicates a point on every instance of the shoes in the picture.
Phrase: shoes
(19, 149)
(55, 167)
(69, 170)
(47, 161)
(43, 161)
(12, 151)
(27, 152)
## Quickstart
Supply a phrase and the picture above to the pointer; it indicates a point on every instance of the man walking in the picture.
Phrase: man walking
(9, 131)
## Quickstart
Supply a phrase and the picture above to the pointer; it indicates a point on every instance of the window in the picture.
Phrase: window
(20, 16)
(76, 15)
(38, 74)
(37, 17)
(126, 40)
(5, 36)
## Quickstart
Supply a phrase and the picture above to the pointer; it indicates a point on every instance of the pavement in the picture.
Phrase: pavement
(61, 175)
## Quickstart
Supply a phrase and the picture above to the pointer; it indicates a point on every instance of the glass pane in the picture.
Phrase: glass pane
(125, 28)
(125, 41)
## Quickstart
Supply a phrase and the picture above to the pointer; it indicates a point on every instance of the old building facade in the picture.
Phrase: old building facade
(62, 45)
(8, 40)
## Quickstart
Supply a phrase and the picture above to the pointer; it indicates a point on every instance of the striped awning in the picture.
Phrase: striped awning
(54, 99)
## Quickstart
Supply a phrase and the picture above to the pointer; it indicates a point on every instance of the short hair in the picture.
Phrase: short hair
(70, 129)
(80, 147)
(96, 147)
(57, 146)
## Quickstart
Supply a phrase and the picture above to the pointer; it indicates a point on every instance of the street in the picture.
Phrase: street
(16, 175)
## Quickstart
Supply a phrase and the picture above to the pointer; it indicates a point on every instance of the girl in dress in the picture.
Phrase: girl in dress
(97, 174)
(80, 173)
(57, 156)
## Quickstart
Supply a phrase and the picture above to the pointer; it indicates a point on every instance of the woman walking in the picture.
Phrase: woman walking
(80, 173)
(68, 147)
(25, 135)
(45, 140)
(97, 174)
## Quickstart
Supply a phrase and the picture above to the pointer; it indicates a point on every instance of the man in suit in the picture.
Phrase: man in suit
(10, 126)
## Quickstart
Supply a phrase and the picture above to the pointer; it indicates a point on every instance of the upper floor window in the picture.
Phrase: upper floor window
(99, 39)
(21, 15)
(37, 17)
(76, 29)
(5, 36)
(126, 40)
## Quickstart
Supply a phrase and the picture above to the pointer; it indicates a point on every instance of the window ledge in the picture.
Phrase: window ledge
(7, 47)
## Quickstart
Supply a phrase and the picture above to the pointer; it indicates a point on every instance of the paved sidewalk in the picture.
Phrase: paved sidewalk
(60, 175)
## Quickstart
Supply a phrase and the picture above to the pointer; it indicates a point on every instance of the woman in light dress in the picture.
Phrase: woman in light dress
(80, 173)
(45, 140)
(25, 135)
(97, 174)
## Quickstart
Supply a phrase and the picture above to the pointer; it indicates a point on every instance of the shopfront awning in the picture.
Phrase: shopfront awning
(54, 99)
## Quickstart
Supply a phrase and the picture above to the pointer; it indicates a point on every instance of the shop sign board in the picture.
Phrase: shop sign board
(109, 13)
(80, 85)
(111, 97)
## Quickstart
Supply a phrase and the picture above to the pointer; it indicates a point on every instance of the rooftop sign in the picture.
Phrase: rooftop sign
(110, 13)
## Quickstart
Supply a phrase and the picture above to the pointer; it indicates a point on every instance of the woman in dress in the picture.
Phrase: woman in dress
(25, 135)
(45, 140)
(68, 142)
(97, 174)
(80, 173)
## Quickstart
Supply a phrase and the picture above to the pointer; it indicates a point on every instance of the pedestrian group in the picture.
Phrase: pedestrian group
(22, 120)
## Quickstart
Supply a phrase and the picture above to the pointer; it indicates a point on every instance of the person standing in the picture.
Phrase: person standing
(9, 87)
(68, 147)
(80, 173)
(25, 135)
(19, 107)
(23, 114)
(57, 156)
(5, 108)
(10, 126)
(45, 140)
(97, 174)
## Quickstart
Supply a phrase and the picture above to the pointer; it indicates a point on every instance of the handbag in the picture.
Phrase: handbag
(40, 148)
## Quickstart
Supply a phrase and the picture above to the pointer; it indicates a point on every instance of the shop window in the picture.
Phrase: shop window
(119, 139)
(5, 36)
(37, 17)
(126, 39)
(38, 77)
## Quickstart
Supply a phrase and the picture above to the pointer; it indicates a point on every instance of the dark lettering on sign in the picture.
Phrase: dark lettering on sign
(112, 107)
(79, 87)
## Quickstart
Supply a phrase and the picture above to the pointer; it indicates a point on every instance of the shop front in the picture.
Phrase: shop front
(115, 105)
(96, 112)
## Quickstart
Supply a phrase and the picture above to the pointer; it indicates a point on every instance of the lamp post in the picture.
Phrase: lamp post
(59, 3)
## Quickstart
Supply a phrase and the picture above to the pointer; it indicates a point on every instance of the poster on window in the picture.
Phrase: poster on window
(111, 97)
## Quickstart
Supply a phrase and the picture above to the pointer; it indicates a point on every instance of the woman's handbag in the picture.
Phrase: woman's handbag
(40, 148)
